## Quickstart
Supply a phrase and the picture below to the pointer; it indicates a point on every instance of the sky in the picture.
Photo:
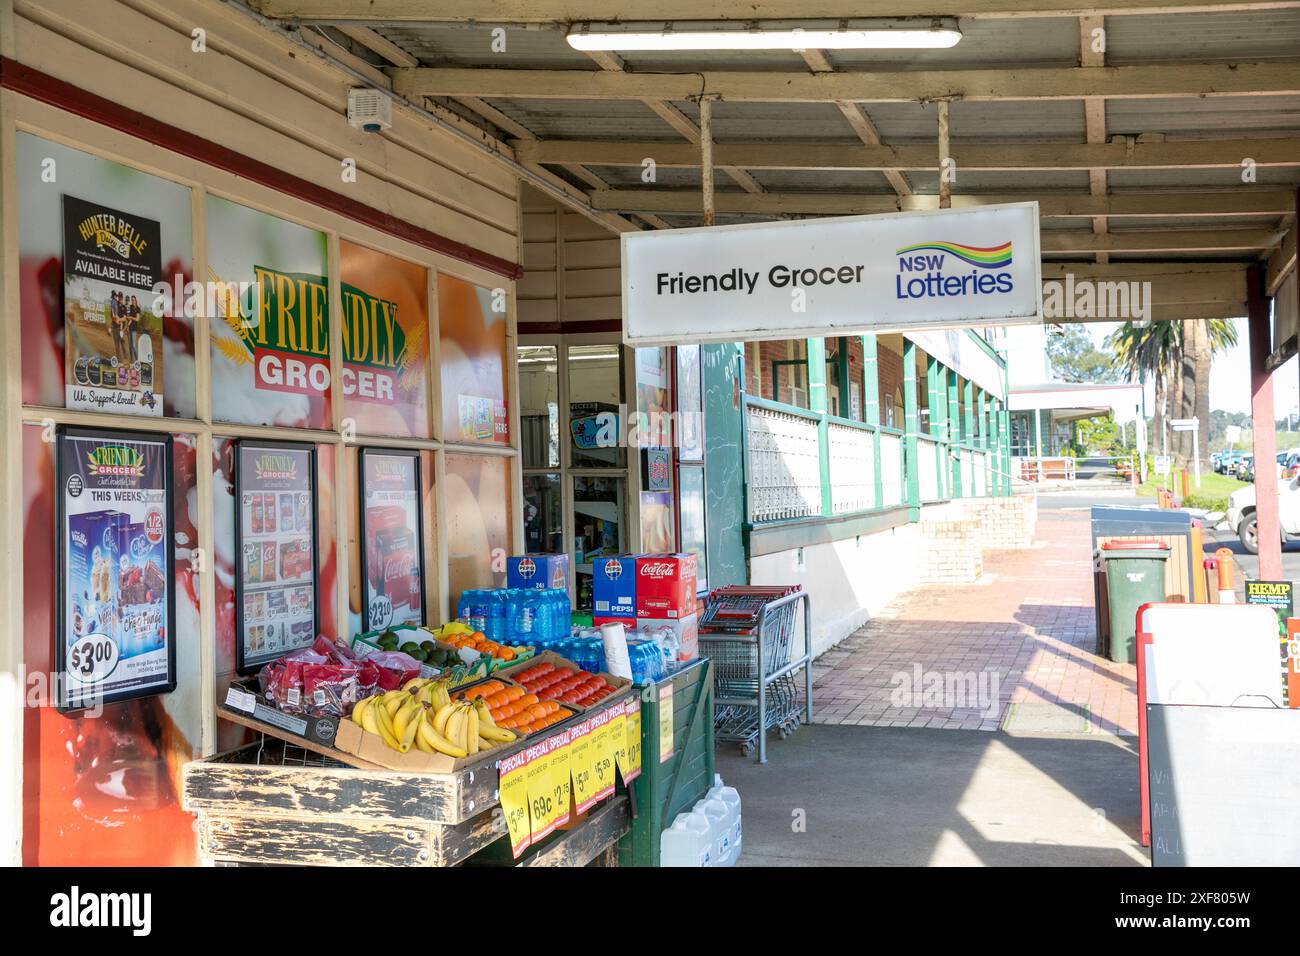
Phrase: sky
(1230, 376)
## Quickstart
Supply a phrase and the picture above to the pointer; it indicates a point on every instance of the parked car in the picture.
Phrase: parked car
(1291, 467)
(1246, 469)
(1241, 513)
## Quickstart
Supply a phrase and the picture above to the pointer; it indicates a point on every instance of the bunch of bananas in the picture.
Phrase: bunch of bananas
(423, 715)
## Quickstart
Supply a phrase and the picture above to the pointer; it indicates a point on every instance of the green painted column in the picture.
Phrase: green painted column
(937, 402)
(955, 435)
(911, 425)
(1005, 439)
(968, 413)
(871, 409)
(817, 404)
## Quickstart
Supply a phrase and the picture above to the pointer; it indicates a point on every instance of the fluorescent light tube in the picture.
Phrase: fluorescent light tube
(851, 35)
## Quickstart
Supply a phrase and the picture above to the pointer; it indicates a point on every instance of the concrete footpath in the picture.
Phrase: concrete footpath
(887, 777)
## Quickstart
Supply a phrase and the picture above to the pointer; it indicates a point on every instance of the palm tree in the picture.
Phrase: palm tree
(1148, 349)
(1177, 356)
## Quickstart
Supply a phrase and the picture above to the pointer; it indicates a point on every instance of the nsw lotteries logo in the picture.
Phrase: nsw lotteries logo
(941, 269)
(115, 461)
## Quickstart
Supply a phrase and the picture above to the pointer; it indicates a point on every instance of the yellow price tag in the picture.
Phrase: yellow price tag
(582, 769)
(632, 709)
(665, 722)
(541, 799)
(603, 755)
(513, 790)
(618, 739)
(561, 787)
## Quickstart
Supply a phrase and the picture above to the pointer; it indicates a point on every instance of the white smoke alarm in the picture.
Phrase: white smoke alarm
(369, 110)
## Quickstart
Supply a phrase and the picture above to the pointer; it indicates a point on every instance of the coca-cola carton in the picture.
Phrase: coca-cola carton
(665, 586)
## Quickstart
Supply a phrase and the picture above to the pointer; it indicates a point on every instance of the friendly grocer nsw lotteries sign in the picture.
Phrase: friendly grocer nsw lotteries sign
(906, 271)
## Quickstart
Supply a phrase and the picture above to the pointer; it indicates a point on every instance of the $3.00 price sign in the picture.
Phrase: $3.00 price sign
(513, 790)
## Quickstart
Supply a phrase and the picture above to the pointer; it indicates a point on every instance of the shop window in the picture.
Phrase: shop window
(595, 406)
(599, 527)
(271, 338)
(690, 405)
(691, 492)
(539, 406)
(385, 342)
(472, 358)
(478, 522)
(95, 238)
(543, 515)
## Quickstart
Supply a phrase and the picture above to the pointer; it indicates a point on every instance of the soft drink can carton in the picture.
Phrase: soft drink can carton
(684, 631)
(665, 585)
(630, 623)
(538, 571)
(613, 587)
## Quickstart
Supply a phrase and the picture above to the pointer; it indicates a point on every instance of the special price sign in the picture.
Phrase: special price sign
(117, 613)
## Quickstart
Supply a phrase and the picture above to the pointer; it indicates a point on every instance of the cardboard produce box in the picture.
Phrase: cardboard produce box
(550, 657)
(353, 739)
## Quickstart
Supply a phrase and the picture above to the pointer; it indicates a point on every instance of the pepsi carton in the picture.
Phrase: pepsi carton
(613, 589)
(538, 571)
(665, 586)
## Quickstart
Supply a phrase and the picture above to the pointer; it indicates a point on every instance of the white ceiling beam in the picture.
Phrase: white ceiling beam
(1092, 29)
(1171, 241)
(857, 118)
(1279, 77)
(1243, 201)
(566, 11)
(1157, 154)
(613, 63)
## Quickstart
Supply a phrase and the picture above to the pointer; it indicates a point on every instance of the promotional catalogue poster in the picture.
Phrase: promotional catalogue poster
(275, 591)
(116, 612)
(391, 535)
(111, 262)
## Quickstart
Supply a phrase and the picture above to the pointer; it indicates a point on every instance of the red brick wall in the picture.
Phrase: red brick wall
(889, 366)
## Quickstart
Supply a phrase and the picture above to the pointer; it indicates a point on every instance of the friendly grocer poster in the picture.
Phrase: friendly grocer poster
(385, 342)
(472, 361)
(270, 347)
(112, 260)
(115, 565)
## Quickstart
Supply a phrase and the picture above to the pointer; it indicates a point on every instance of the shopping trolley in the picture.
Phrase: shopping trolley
(747, 632)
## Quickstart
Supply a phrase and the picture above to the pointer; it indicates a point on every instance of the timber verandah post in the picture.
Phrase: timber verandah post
(911, 424)
(1268, 532)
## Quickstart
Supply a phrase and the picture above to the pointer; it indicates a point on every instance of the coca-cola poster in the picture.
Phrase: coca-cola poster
(116, 607)
(275, 551)
(392, 564)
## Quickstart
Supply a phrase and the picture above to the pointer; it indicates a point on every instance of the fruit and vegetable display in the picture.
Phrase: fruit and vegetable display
(568, 685)
(424, 650)
(515, 708)
(459, 634)
(423, 715)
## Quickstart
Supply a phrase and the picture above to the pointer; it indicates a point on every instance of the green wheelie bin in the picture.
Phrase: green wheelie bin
(1135, 575)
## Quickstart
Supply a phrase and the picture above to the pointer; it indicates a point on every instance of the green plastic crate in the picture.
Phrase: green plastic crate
(667, 787)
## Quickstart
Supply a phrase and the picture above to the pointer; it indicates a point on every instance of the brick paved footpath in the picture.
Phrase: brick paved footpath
(1029, 620)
